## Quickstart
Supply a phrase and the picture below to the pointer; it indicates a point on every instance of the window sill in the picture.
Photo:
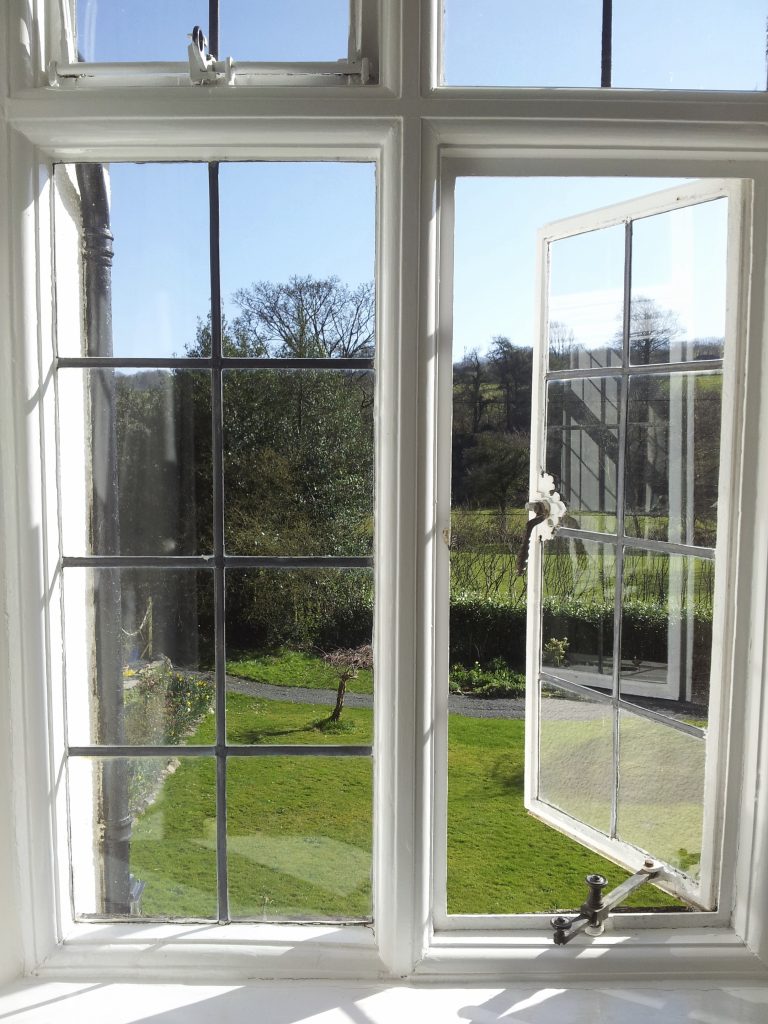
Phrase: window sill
(51, 1002)
(173, 953)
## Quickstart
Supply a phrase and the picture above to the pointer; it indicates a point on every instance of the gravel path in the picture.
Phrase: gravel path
(471, 707)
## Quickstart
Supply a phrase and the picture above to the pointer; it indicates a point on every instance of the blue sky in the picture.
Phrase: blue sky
(280, 220)
(659, 44)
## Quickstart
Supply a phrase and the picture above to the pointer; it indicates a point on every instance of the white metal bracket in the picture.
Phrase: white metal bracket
(203, 68)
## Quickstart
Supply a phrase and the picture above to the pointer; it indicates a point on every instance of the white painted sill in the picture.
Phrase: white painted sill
(181, 953)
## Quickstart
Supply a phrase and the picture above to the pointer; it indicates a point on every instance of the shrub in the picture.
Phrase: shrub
(165, 705)
(494, 680)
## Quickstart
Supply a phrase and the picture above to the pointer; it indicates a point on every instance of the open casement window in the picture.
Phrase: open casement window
(628, 610)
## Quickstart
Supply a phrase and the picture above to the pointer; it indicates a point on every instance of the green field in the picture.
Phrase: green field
(300, 829)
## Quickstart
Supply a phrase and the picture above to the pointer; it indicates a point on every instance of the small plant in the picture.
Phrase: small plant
(493, 680)
(555, 651)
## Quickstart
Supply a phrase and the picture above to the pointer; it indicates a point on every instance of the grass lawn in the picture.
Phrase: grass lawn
(295, 668)
(300, 828)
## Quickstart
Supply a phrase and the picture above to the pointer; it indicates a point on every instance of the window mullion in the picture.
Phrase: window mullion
(217, 426)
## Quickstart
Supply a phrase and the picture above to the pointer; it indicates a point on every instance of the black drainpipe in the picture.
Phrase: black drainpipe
(115, 835)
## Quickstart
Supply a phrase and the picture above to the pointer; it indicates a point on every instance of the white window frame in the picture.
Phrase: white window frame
(421, 138)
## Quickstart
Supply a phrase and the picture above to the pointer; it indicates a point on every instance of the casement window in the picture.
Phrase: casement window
(618, 239)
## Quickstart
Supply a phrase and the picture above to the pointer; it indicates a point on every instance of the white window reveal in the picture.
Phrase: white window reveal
(632, 455)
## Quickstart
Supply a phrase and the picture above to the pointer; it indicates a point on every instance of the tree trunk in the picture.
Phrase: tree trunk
(336, 713)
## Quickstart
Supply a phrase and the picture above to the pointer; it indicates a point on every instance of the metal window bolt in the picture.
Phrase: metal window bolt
(597, 906)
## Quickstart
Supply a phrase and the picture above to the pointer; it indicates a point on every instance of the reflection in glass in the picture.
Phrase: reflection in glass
(298, 462)
(147, 462)
(666, 632)
(299, 833)
(578, 587)
(661, 791)
(513, 44)
(143, 836)
(576, 756)
(689, 44)
(673, 457)
(583, 448)
(139, 655)
(677, 310)
(290, 631)
(586, 299)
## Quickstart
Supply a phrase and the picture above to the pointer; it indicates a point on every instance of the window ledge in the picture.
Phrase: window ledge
(235, 952)
(634, 955)
(51, 1002)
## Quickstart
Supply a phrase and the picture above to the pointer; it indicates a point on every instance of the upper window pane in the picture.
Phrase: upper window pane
(297, 259)
(499, 43)
(690, 44)
(144, 30)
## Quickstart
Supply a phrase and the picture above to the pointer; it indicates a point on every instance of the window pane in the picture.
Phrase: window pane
(298, 462)
(583, 448)
(299, 835)
(137, 30)
(298, 649)
(586, 299)
(510, 42)
(673, 457)
(297, 259)
(143, 835)
(154, 217)
(139, 656)
(666, 633)
(293, 30)
(691, 44)
(578, 587)
(144, 30)
(576, 756)
(661, 791)
(678, 284)
(142, 482)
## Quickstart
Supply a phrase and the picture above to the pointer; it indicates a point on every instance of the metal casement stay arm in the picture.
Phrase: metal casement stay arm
(597, 907)
(205, 69)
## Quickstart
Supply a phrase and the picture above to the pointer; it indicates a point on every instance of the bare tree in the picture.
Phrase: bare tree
(305, 317)
(347, 662)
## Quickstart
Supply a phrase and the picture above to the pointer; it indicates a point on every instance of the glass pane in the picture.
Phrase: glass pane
(139, 656)
(143, 30)
(661, 791)
(586, 299)
(143, 483)
(299, 659)
(583, 448)
(299, 833)
(576, 756)
(293, 30)
(690, 44)
(137, 30)
(678, 295)
(155, 301)
(297, 259)
(143, 835)
(298, 462)
(578, 587)
(666, 633)
(673, 457)
(498, 42)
